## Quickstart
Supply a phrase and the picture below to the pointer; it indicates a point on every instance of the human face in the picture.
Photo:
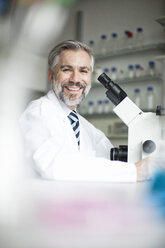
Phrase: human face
(72, 76)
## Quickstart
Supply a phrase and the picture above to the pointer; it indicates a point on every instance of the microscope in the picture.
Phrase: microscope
(146, 130)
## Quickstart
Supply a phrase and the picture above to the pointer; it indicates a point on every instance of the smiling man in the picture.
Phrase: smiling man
(61, 144)
(71, 75)
(71, 79)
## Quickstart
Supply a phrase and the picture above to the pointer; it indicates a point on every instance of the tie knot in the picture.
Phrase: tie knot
(73, 116)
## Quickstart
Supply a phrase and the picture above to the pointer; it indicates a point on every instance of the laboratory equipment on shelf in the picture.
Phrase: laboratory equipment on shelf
(92, 46)
(137, 97)
(146, 131)
(131, 72)
(139, 37)
(97, 71)
(124, 40)
(150, 98)
(129, 39)
(152, 69)
(90, 109)
(113, 43)
(114, 73)
(137, 70)
(106, 106)
(106, 70)
(102, 45)
(99, 107)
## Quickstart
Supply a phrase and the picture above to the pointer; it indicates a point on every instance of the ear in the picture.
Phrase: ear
(50, 76)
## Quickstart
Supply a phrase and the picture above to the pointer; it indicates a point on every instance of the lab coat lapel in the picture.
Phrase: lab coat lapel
(67, 133)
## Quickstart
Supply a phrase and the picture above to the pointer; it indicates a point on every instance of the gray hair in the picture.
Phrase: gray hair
(54, 54)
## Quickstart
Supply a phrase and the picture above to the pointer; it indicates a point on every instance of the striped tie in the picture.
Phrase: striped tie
(75, 125)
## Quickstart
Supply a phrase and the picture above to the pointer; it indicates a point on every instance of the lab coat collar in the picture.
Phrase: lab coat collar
(64, 108)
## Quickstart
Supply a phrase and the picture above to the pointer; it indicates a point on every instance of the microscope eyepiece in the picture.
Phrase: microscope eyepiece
(105, 80)
(114, 92)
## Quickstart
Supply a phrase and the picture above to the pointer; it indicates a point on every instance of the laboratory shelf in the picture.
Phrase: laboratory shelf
(99, 116)
(110, 137)
(139, 79)
(121, 52)
(109, 115)
(131, 80)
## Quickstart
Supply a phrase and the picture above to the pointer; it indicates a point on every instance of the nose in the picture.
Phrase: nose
(75, 77)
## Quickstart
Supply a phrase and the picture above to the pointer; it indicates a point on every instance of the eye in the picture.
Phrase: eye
(84, 71)
(66, 68)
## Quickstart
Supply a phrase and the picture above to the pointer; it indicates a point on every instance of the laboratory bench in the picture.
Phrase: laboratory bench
(69, 214)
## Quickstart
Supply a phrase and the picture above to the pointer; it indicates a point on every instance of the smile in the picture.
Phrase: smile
(73, 89)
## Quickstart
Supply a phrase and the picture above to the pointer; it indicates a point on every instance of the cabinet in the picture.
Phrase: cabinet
(109, 123)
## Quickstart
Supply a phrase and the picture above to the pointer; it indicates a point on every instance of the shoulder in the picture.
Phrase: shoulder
(40, 114)
(35, 107)
(41, 106)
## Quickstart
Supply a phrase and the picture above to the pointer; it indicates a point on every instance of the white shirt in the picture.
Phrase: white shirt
(51, 144)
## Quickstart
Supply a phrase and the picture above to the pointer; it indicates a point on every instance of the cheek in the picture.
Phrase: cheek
(87, 79)
(62, 78)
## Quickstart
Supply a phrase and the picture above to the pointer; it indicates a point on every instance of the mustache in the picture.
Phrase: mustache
(78, 84)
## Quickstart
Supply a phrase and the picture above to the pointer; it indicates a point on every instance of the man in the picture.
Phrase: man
(62, 144)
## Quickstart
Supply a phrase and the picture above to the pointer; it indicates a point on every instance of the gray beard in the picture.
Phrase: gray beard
(59, 91)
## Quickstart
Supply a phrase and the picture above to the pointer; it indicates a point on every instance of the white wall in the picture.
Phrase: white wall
(109, 16)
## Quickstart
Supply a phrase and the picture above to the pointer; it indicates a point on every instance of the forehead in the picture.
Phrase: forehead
(75, 57)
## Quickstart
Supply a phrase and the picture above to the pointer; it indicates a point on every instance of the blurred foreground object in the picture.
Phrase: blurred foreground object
(26, 34)
(157, 189)
(158, 192)
(68, 215)
(42, 25)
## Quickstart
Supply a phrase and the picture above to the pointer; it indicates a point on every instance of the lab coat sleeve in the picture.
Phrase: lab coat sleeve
(78, 167)
(53, 161)
(103, 145)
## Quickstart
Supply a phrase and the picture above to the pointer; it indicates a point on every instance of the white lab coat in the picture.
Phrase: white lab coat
(51, 144)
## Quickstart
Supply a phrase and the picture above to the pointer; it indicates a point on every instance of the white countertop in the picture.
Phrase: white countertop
(84, 214)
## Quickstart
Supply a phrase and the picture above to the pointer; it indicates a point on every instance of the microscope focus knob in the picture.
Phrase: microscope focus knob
(149, 146)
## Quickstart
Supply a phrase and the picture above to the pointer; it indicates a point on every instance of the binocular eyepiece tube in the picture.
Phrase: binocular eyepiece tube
(114, 92)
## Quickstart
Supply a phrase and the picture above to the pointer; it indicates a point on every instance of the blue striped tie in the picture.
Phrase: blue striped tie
(75, 125)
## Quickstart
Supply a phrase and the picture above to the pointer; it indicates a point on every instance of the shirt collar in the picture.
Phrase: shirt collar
(65, 108)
